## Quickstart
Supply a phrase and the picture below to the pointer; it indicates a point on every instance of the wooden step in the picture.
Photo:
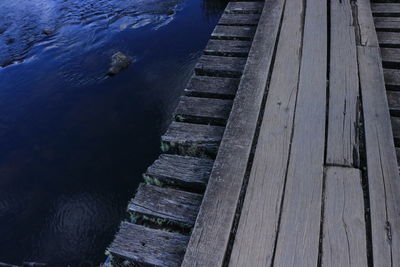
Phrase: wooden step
(184, 172)
(244, 8)
(389, 39)
(224, 32)
(135, 244)
(239, 19)
(216, 87)
(390, 57)
(165, 205)
(228, 48)
(189, 139)
(387, 23)
(396, 130)
(385, 9)
(394, 102)
(203, 110)
(220, 66)
(392, 79)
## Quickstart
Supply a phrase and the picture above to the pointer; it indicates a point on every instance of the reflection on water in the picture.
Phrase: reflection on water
(73, 142)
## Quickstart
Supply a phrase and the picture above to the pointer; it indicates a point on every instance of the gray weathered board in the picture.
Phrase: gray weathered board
(227, 32)
(392, 79)
(166, 205)
(383, 176)
(220, 66)
(210, 237)
(389, 39)
(244, 7)
(266, 182)
(190, 139)
(147, 246)
(217, 87)
(344, 240)
(203, 110)
(180, 171)
(386, 9)
(239, 19)
(228, 48)
(342, 142)
(301, 208)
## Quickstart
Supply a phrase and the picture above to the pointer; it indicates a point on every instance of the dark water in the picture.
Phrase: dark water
(73, 143)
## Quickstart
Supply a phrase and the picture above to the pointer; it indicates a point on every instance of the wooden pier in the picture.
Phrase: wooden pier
(282, 151)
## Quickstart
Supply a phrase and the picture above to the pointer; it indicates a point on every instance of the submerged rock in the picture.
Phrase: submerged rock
(119, 61)
(47, 31)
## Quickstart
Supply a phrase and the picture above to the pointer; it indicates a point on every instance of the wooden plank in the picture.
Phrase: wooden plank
(259, 220)
(189, 139)
(394, 102)
(244, 8)
(217, 87)
(395, 121)
(228, 48)
(344, 239)
(224, 32)
(385, 9)
(203, 110)
(147, 247)
(220, 66)
(387, 23)
(239, 19)
(179, 171)
(389, 39)
(365, 24)
(298, 239)
(392, 79)
(383, 176)
(211, 233)
(342, 142)
(165, 205)
(390, 57)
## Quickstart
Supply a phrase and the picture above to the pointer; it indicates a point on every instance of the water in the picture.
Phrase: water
(73, 141)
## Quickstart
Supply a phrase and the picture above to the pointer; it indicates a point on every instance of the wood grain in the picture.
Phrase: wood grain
(365, 24)
(203, 110)
(344, 240)
(225, 32)
(147, 247)
(244, 8)
(209, 241)
(259, 221)
(298, 239)
(228, 48)
(180, 171)
(342, 143)
(383, 176)
(167, 204)
(216, 87)
(239, 19)
(220, 66)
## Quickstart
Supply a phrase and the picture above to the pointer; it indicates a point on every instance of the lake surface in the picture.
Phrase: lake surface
(74, 142)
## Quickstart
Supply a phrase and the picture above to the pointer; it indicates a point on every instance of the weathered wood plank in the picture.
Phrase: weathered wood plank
(394, 102)
(383, 176)
(189, 139)
(259, 220)
(389, 39)
(180, 171)
(239, 19)
(391, 57)
(298, 239)
(220, 66)
(392, 79)
(365, 24)
(224, 32)
(203, 110)
(228, 48)
(387, 23)
(210, 236)
(148, 247)
(165, 205)
(244, 8)
(395, 121)
(344, 239)
(342, 143)
(385, 9)
(217, 87)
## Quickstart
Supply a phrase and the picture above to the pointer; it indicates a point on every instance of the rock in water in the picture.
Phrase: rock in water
(119, 61)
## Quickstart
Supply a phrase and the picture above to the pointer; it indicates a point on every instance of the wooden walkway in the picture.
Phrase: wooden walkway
(282, 151)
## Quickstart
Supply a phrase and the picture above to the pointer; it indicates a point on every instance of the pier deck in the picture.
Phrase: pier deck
(283, 150)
